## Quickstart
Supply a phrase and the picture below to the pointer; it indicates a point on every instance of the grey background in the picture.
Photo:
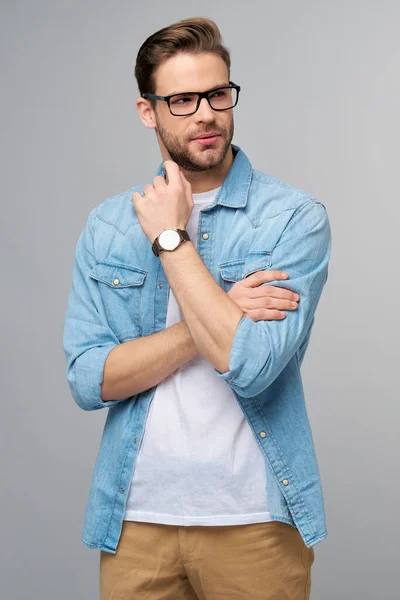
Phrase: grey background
(319, 109)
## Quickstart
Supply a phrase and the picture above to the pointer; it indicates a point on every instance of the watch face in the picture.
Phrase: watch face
(169, 239)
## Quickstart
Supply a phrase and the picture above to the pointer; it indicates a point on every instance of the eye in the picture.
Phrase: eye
(220, 92)
(182, 99)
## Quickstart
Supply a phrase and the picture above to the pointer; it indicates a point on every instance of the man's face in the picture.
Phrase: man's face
(193, 73)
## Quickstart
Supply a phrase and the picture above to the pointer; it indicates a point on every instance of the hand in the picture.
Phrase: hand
(263, 302)
(164, 205)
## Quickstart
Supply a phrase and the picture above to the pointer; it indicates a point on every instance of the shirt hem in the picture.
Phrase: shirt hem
(164, 519)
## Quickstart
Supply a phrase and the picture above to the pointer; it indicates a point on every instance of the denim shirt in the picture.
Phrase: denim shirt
(119, 292)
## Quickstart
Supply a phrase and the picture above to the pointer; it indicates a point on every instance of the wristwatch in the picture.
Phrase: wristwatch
(169, 239)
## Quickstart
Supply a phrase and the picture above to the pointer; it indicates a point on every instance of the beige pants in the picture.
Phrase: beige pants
(260, 561)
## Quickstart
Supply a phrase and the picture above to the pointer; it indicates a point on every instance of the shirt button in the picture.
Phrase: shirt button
(285, 482)
(121, 489)
(116, 281)
(160, 285)
(263, 434)
(205, 236)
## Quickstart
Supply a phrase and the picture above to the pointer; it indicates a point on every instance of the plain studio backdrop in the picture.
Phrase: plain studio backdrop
(319, 108)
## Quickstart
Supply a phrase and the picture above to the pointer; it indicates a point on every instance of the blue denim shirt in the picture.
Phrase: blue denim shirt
(119, 292)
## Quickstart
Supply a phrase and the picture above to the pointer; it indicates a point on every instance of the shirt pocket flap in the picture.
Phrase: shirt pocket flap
(257, 260)
(117, 275)
(231, 270)
(235, 270)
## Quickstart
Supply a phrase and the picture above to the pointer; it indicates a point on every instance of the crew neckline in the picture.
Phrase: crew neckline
(203, 197)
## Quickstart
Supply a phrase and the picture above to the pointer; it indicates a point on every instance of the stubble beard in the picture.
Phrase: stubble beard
(203, 159)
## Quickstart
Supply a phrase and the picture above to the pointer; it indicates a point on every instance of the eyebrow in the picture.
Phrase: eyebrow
(219, 85)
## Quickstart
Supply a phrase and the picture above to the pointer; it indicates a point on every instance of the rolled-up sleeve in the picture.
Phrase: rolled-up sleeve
(261, 349)
(87, 337)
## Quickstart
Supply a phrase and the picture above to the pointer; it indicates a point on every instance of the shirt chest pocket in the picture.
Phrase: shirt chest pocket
(121, 290)
(234, 270)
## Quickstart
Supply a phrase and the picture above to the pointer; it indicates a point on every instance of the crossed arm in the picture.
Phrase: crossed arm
(248, 355)
(229, 340)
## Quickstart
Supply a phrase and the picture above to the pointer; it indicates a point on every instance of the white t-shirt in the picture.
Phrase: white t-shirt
(199, 463)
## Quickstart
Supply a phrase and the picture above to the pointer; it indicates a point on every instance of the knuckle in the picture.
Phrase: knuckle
(268, 301)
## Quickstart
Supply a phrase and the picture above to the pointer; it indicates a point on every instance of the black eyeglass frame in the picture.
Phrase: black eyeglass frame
(200, 95)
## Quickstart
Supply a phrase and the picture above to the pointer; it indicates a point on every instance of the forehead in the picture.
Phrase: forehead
(190, 73)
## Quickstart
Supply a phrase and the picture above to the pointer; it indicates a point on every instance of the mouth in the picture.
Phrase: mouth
(209, 139)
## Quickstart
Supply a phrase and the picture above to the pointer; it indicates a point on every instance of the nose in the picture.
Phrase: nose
(204, 112)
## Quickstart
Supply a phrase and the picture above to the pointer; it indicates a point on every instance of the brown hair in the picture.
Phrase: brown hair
(192, 36)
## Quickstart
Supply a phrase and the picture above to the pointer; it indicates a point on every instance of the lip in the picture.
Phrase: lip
(209, 134)
(207, 141)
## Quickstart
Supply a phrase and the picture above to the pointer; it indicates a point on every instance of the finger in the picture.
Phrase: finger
(186, 183)
(159, 181)
(172, 171)
(136, 196)
(183, 177)
(272, 303)
(274, 291)
(265, 275)
(187, 186)
(263, 314)
(147, 190)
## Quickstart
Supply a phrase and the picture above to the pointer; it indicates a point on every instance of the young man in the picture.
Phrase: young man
(206, 484)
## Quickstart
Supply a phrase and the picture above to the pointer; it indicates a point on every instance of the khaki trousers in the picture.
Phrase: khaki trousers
(259, 561)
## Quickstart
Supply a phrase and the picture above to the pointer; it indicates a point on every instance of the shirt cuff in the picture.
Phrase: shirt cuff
(98, 357)
(243, 369)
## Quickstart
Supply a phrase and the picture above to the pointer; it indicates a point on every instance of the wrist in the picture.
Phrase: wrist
(182, 249)
(156, 232)
(169, 239)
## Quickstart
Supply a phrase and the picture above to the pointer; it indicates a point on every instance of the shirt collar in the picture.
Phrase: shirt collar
(235, 187)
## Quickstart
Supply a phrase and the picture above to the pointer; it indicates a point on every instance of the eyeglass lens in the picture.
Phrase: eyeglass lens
(221, 99)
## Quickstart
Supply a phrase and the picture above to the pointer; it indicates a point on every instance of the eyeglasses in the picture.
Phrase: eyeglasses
(187, 103)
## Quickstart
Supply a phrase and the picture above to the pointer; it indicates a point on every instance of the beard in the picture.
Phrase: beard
(205, 158)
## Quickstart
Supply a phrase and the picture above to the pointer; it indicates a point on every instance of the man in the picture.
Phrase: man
(206, 484)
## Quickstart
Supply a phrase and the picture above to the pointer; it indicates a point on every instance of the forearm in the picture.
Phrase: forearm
(137, 365)
(211, 315)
